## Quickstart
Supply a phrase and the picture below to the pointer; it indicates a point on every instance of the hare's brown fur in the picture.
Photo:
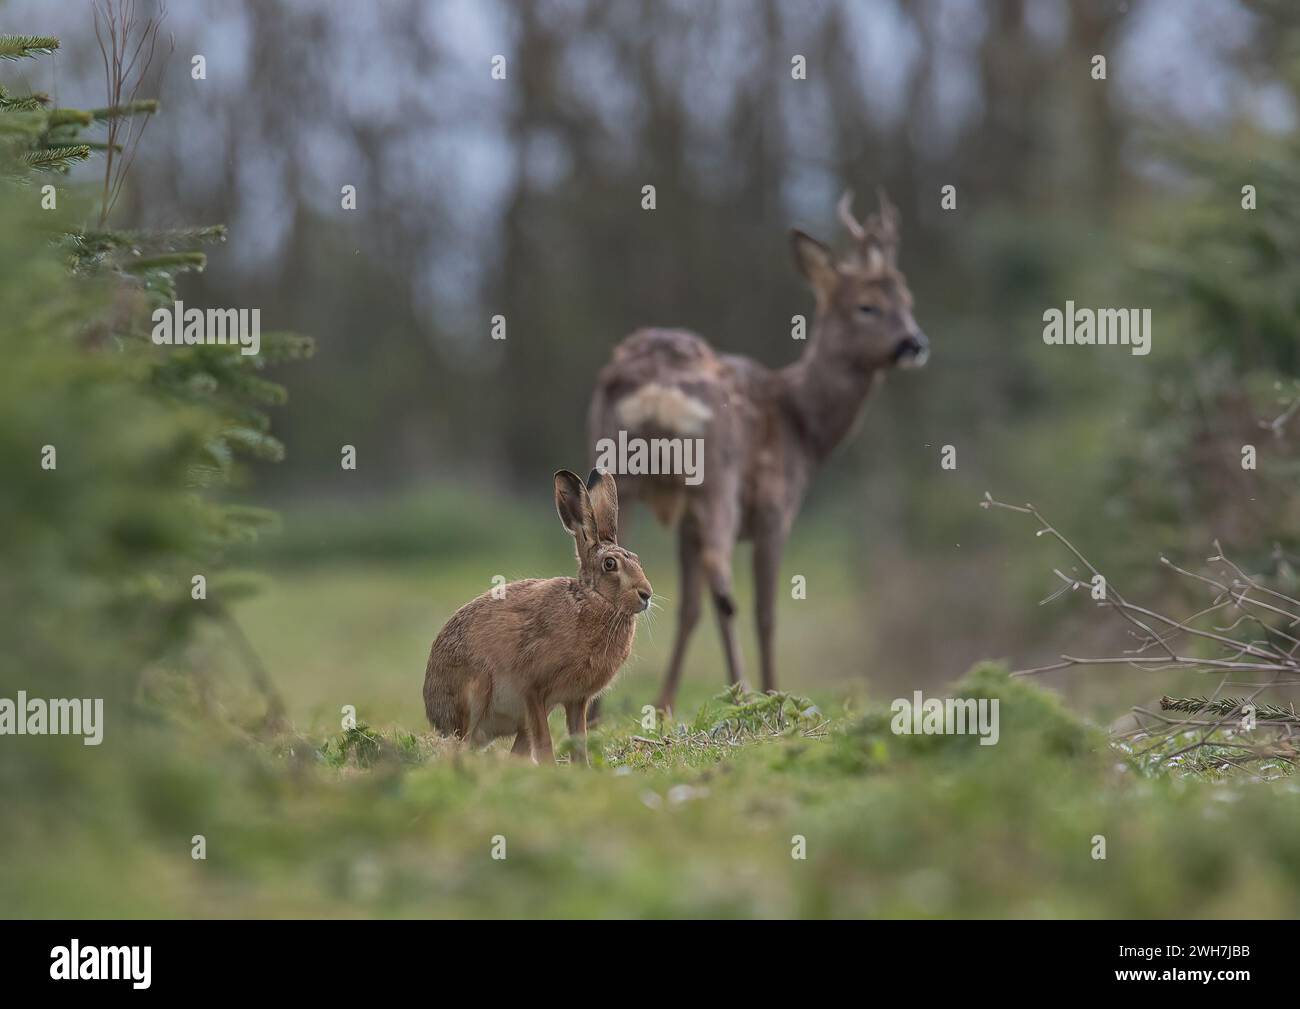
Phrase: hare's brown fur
(505, 660)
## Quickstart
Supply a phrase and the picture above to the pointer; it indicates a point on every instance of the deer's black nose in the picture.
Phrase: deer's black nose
(912, 349)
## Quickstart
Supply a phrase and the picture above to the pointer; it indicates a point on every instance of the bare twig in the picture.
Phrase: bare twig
(1278, 424)
(1269, 655)
(1113, 596)
(127, 47)
(275, 719)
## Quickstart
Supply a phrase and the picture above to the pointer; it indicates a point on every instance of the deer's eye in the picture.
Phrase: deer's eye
(865, 309)
(610, 564)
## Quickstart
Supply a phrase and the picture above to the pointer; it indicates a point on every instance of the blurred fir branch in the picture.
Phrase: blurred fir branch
(69, 117)
(16, 47)
(56, 159)
(168, 263)
(145, 513)
(27, 103)
(1229, 706)
(146, 107)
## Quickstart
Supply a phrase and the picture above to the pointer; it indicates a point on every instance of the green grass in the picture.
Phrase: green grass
(355, 627)
(695, 819)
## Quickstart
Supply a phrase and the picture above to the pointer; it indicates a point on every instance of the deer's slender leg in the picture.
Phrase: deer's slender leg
(768, 544)
(688, 612)
(719, 541)
(726, 611)
(576, 716)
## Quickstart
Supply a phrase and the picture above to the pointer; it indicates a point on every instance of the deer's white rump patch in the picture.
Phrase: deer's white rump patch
(665, 407)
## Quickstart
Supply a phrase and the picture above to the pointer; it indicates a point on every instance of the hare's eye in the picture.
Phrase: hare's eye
(610, 564)
(865, 309)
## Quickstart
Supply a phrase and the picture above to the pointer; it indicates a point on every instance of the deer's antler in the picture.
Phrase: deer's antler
(879, 231)
(845, 208)
(883, 225)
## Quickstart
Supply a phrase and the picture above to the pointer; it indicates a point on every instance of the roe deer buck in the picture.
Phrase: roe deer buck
(764, 431)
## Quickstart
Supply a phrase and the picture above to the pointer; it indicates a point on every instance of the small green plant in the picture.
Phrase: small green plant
(365, 747)
(358, 746)
(736, 712)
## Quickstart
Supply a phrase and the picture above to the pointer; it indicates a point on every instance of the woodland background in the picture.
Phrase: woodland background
(522, 197)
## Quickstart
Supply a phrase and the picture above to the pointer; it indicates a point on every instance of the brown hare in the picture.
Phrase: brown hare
(506, 659)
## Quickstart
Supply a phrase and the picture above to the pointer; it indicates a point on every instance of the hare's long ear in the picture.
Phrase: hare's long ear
(604, 505)
(574, 505)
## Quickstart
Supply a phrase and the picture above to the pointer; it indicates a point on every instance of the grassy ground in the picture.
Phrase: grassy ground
(352, 601)
(703, 816)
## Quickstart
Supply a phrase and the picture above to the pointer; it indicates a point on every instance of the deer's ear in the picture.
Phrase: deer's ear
(815, 263)
(574, 505)
(604, 505)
